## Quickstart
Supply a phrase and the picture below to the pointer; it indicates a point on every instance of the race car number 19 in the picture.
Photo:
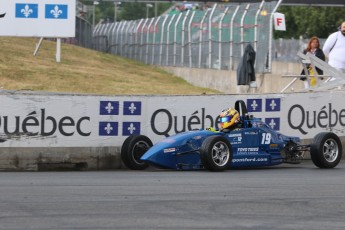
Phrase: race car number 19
(266, 138)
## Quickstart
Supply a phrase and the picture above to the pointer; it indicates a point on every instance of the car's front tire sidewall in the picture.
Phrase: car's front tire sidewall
(216, 153)
(132, 149)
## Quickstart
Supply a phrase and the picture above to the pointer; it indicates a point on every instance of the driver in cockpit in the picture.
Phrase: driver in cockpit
(229, 120)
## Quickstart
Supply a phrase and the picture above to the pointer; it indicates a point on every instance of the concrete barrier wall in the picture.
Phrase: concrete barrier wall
(60, 158)
(40, 131)
(226, 81)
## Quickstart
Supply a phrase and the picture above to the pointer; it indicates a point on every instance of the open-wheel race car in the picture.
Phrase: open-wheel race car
(249, 142)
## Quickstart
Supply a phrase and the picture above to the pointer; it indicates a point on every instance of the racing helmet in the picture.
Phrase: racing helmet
(228, 118)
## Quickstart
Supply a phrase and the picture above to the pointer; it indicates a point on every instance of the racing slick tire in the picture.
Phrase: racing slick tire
(132, 150)
(216, 153)
(326, 150)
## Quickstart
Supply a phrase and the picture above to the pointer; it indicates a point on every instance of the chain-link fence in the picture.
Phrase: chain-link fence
(212, 38)
(83, 36)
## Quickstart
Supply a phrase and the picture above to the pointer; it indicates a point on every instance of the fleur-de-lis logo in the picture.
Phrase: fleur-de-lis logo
(108, 128)
(26, 11)
(132, 108)
(131, 128)
(56, 12)
(109, 107)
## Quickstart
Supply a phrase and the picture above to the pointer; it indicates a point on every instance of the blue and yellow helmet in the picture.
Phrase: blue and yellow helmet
(228, 118)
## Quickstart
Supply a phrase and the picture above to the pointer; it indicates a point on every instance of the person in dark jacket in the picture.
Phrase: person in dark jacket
(245, 70)
(313, 47)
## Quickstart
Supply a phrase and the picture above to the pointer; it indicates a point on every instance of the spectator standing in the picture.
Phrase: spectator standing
(334, 49)
(313, 48)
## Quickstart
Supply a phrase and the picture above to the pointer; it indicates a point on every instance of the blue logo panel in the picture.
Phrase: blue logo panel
(254, 105)
(56, 11)
(108, 128)
(273, 104)
(109, 108)
(130, 128)
(26, 10)
(132, 108)
(273, 122)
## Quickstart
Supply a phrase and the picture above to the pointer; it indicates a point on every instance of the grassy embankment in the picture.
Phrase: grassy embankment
(82, 71)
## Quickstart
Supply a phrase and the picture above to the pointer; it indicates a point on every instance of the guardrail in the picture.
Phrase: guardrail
(332, 77)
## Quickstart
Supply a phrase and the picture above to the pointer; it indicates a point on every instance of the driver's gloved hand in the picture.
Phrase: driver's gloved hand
(211, 129)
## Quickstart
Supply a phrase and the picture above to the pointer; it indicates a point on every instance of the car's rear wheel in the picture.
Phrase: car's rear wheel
(216, 153)
(133, 149)
(326, 150)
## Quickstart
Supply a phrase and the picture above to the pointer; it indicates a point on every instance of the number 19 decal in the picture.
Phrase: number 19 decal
(266, 138)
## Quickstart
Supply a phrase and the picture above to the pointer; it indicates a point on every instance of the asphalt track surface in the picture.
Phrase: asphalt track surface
(281, 197)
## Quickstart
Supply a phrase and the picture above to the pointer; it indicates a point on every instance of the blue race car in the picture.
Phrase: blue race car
(248, 143)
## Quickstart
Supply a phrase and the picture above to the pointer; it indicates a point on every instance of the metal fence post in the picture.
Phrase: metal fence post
(110, 37)
(220, 27)
(210, 37)
(257, 25)
(147, 41)
(190, 39)
(175, 37)
(154, 39)
(118, 38)
(121, 37)
(127, 40)
(231, 67)
(113, 38)
(168, 40)
(162, 41)
(136, 39)
(142, 39)
(200, 38)
(182, 37)
(242, 28)
(130, 39)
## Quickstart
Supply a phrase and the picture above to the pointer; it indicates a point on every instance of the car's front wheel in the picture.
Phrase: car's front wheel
(326, 150)
(133, 149)
(216, 153)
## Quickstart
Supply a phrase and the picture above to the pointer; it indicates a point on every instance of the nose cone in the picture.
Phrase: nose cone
(161, 155)
(178, 150)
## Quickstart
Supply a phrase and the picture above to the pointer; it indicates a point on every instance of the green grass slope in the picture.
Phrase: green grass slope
(82, 71)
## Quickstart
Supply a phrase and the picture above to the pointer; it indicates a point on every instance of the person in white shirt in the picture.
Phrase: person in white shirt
(334, 49)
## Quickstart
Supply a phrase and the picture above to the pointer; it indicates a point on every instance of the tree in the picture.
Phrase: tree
(105, 10)
(310, 21)
(134, 11)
